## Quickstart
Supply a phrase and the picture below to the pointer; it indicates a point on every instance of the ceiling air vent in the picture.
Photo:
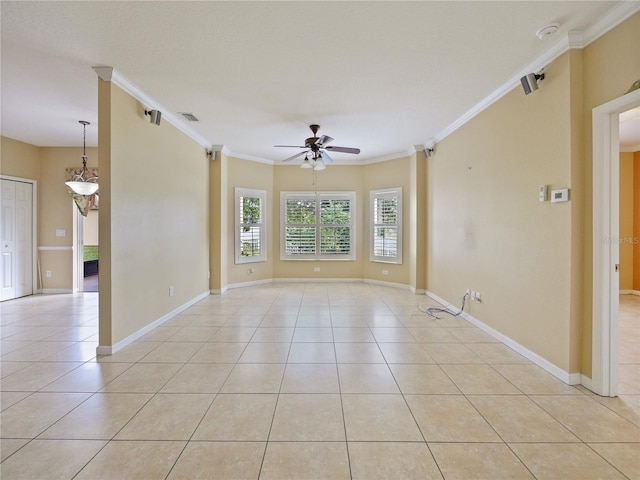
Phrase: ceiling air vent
(189, 116)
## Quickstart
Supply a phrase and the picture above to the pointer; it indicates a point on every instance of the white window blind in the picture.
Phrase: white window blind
(318, 226)
(386, 225)
(250, 207)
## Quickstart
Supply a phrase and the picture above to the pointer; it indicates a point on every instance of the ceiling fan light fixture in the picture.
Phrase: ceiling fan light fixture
(306, 163)
(319, 165)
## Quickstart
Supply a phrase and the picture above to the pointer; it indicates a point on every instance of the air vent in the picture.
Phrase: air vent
(189, 116)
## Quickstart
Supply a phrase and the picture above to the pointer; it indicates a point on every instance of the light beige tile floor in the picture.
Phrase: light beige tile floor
(318, 381)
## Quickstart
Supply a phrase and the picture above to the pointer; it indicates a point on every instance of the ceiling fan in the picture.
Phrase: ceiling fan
(317, 147)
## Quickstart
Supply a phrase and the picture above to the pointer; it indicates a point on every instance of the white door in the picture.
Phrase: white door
(16, 210)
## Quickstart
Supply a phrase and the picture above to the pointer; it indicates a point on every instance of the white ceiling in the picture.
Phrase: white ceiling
(382, 76)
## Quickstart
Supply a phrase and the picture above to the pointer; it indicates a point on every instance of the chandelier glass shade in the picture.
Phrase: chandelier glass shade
(82, 183)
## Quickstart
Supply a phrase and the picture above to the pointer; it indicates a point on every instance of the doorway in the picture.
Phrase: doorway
(17, 233)
(629, 305)
(606, 246)
(86, 258)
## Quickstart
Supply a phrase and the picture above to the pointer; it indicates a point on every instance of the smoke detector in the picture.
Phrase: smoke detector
(548, 30)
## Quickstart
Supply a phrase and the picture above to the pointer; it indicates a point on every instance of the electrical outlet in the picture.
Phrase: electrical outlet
(171, 291)
(385, 272)
(250, 271)
(48, 273)
(316, 269)
(478, 297)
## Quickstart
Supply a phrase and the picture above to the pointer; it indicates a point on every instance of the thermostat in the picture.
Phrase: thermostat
(561, 195)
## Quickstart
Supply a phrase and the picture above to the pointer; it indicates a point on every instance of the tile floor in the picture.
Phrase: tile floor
(319, 381)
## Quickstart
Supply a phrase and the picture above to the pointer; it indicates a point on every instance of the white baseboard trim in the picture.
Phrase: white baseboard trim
(111, 349)
(630, 292)
(566, 377)
(317, 280)
(55, 291)
(401, 286)
(231, 286)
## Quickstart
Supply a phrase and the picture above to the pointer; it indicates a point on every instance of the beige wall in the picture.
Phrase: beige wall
(259, 176)
(227, 173)
(90, 228)
(47, 165)
(487, 230)
(377, 176)
(636, 221)
(56, 211)
(157, 199)
(626, 220)
(531, 261)
(334, 178)
(217, 231)
(611, 65)
(19, 159)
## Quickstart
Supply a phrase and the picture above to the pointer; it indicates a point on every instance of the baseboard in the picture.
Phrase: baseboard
(630, 292)
(111, 349)
(566, 377)
(317, 280)
(55, 291)
(402, 286)
(387, 284)
(231, 286)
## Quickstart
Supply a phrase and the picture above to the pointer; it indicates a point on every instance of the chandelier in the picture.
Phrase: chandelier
(82, 183)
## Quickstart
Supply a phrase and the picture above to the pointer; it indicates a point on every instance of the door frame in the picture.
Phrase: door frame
(78, 249)
(35, 263)
(606, 248)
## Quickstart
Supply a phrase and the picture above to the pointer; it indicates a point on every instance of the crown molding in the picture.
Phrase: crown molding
(572, 40)
(230, 153)
(610, 20)
(110, 74)
(392, 156)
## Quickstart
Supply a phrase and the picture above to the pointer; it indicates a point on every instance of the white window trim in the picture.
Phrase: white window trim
(373, 195)
(347, 195)
(262, 195)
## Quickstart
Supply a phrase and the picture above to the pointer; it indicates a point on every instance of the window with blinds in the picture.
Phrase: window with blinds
(386, 225)
(318, 226)
(250, 208)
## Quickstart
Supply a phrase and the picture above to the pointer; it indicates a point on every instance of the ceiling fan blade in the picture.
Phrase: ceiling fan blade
(325, 156)
(293, 157)
(343, 149)
(290, 146)
(323, 140)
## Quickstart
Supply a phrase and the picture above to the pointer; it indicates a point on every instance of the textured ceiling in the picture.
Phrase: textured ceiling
(382, 76)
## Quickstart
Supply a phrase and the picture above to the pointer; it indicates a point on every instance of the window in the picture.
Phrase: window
(318, 226)
(250, 228)
(386, 225)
